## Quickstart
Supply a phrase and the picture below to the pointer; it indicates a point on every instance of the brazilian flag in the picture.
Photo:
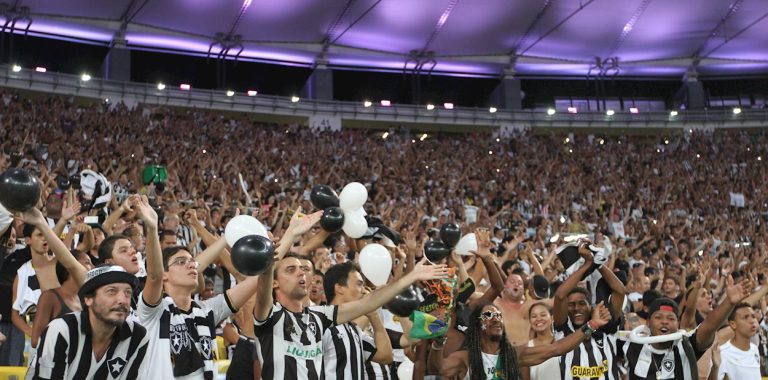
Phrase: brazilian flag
(427, 326)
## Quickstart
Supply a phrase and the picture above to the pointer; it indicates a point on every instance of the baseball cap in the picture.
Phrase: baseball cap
(663, 304)
(104, 275)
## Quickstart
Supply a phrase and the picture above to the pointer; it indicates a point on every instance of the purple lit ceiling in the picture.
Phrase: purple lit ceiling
(466, 37)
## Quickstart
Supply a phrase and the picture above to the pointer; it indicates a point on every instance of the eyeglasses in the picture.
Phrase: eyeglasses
(488, 315)
(184, 261)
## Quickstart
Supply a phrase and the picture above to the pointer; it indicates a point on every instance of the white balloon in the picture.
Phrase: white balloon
(405, 370)
(355, 225)
(466, 244)
(353, 196)
(243, 225)
(376, 263)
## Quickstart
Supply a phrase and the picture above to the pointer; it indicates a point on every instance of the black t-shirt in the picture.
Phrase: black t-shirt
(10, 265)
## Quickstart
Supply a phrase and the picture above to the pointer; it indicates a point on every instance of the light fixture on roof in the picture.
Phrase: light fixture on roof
(430, 107)
(601, 141)
(448, 106)
(16, 68)
(386, 103)
(673, 113)
(634, 110)
(252, 92)
(492, 110)
(573, 110)
(85, 77)
(40, 69)
(161, 86)
(423, 137)
(294, 99)
(736, 111)
(610, 112)
(551, 111)
(230, 93)
(385, 135)
(185, 87)
(367, 103)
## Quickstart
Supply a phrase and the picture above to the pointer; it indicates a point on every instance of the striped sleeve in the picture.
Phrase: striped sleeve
(369, 346)
(52, 351)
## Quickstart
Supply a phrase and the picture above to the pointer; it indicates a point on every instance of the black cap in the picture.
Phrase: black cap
(540, 287)
(663, 304)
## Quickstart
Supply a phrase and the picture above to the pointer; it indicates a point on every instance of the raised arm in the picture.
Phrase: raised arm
(63, 255)
(560, 307)
(494, 275)
(530, 356)
(735, 293)
(378, 298)
(618, 290)
(153, 288)
(298, 226)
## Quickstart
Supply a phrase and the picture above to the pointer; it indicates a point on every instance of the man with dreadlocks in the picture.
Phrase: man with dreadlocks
(487, 355)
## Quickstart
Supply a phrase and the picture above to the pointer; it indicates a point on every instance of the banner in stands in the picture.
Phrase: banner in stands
(325, 123)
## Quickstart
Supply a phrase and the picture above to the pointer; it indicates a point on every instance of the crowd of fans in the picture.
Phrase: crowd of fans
(677, 216)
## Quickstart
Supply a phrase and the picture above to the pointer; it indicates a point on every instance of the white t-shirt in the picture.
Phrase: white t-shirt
(739, 364)
(489, 366)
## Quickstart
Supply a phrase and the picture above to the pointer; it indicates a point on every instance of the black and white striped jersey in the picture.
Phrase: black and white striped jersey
(291, 344)
(182, 343)
(594, 358)
(645, 362)
(345, 350)
(65, 351)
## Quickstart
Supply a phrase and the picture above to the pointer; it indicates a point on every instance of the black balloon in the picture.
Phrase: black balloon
(323, 197)
(332, 219)
(252, 254)
(436, 250)
(404, 303)
(19, 190)
(450, 234)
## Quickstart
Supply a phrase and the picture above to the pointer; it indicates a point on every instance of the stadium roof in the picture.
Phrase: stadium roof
(463, 37)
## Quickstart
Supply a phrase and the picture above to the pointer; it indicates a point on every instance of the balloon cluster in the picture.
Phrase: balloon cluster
(252, 250)
(436, 250)
(19, 190)
(342, 212)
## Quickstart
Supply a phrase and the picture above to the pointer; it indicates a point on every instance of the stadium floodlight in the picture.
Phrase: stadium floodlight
(184, 87)
(551, 111)
(448, 106)
(16, 68)
(673, 113)
(492, 110)
(85, 77)
(573, 110)
(40, 69)
(386, 103)
(634, 110)
(430, 107)
(294, 99)
(610, 112)
(367, 103)
(230, 93)
(252, 92)
(161, 86)
(736, 111)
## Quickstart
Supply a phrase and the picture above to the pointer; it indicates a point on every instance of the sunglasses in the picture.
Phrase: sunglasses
(488, 315)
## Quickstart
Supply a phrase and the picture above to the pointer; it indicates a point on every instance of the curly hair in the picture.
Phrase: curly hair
(507, 354)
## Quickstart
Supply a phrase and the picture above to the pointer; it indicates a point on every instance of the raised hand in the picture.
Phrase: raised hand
(146, 213)
(585, 252)
(423, 272)
(736, 292)
(301, 223)
(483, 237)
(34, 216)
(600, 315)
(70, 211)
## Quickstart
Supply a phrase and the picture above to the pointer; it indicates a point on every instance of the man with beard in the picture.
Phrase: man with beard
(98, 342)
